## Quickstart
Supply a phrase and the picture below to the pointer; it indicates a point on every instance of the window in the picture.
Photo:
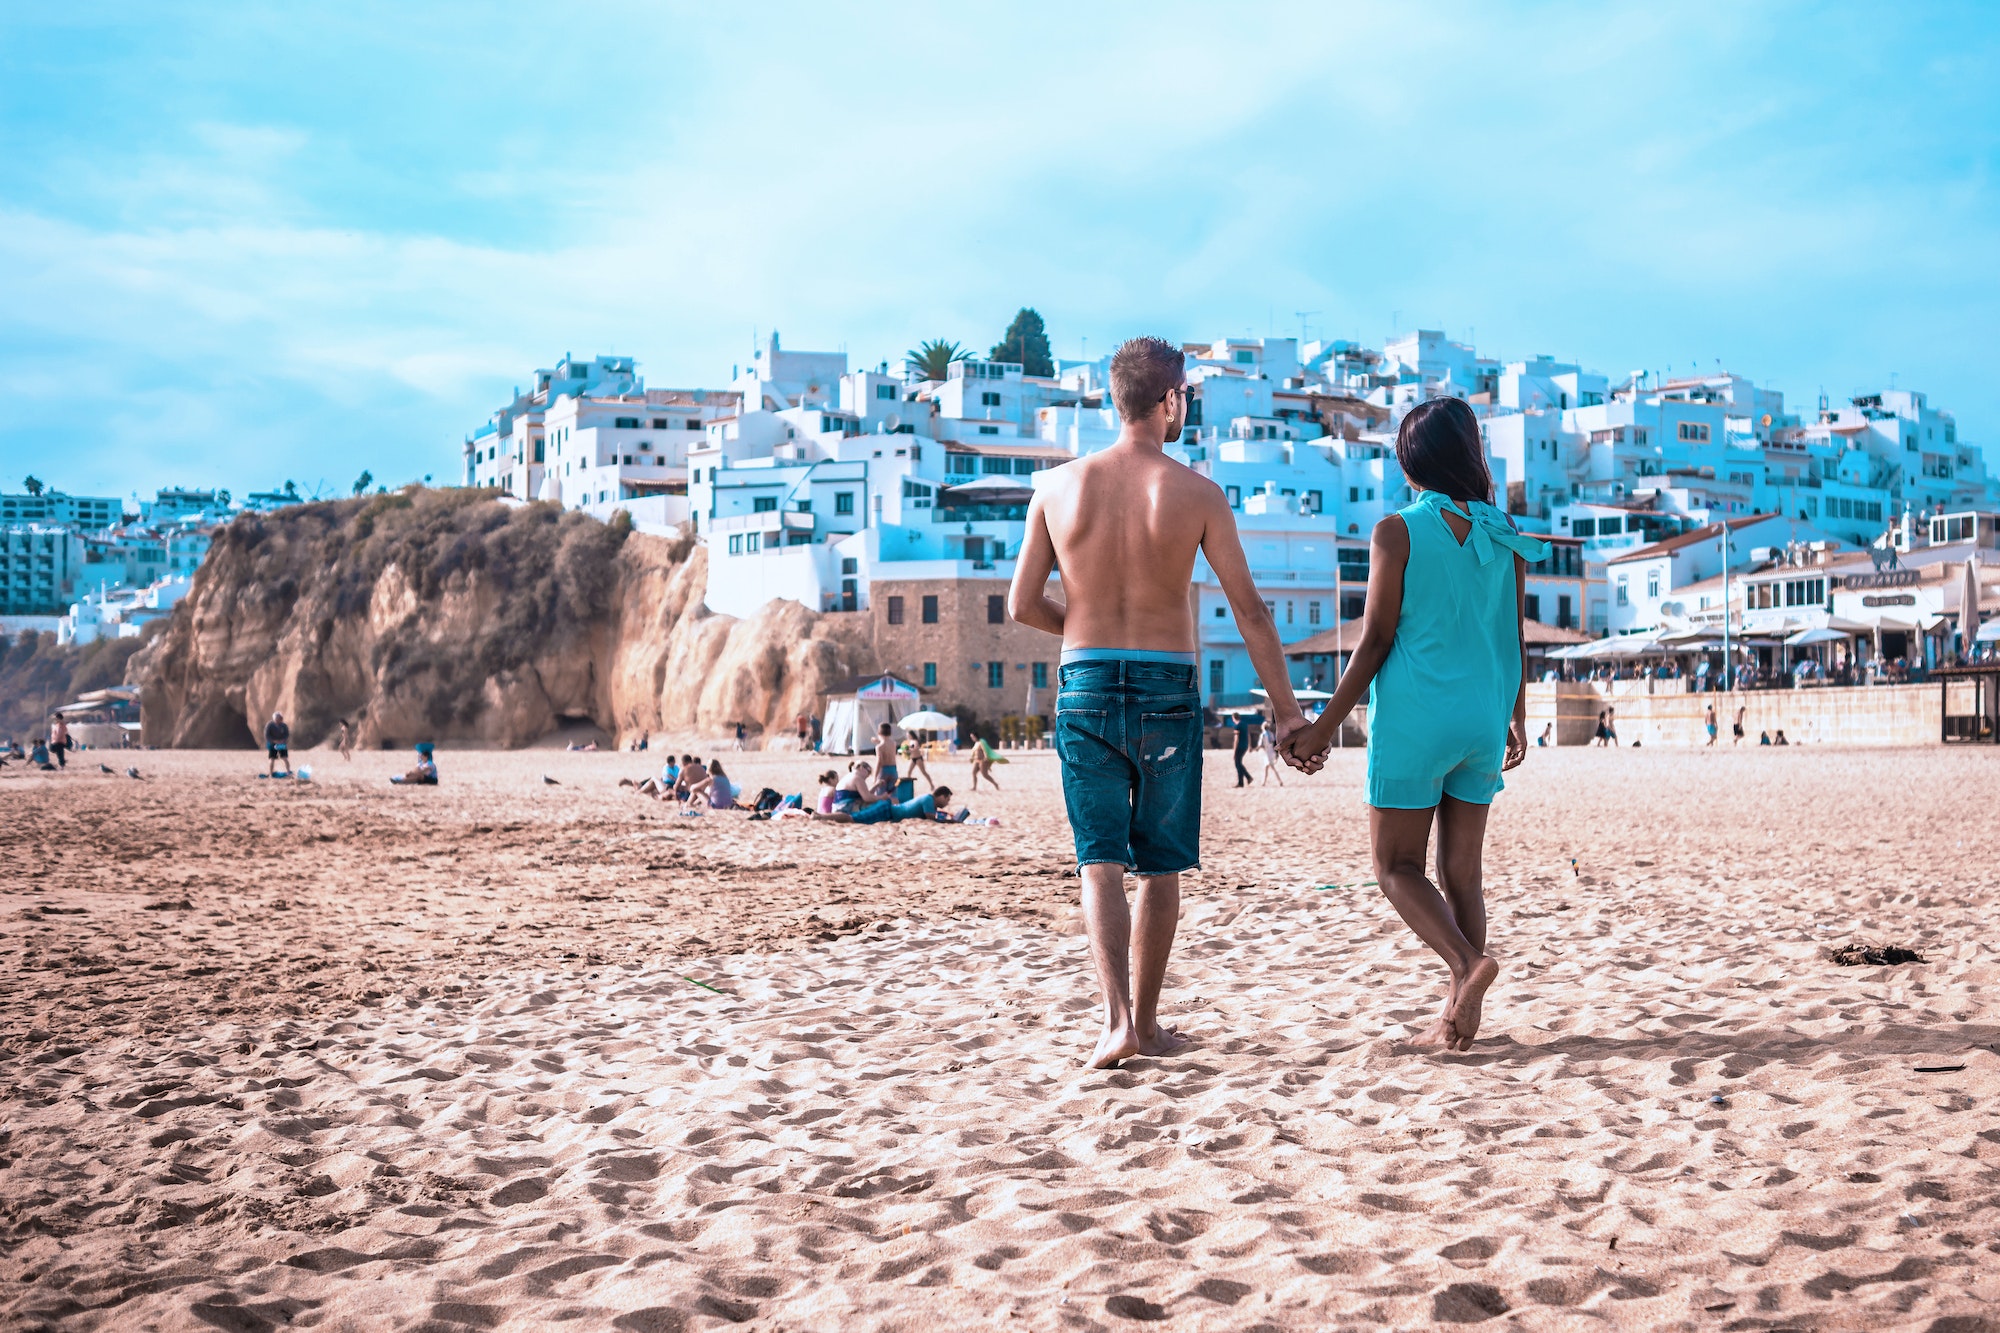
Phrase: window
(1653, 584)
(996, 609)
(1315, 503)
(996, 674)
(802, 506)
(1271, 610)
(895, 610)
(626, 423)
(1584, 527)
(1532, 604)
(1354, 495)
(1243, 358)
(930, 609)
(1235, 496)
(764, 504)
(753, 543)
(1562, 611)
(1041, 677)
(989, 400)
(1312, 613)
(1288, 611)
(887, 393)
(1624, 593)
(1215, 671)
(1221, 613)
(930, 668)
(1024, 467)
(843, 502)
(692, 424)
(989, 430)
(963, 465)
(996, 467)
(1692, 431)
(849, 565)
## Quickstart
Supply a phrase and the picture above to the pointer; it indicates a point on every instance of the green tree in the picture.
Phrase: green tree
(292, 489)
(33, 485)
(933, 359)
(1027, 342)
(363, 482)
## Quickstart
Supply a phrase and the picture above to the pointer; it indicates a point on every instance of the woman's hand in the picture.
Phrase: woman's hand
(1517, 744)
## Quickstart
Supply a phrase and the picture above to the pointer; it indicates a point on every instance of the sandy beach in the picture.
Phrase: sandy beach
(507, 1054)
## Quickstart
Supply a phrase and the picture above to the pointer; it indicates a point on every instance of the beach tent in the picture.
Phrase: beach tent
(1806, 637)
(859, 706)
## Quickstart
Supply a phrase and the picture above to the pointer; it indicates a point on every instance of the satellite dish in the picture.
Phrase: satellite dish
(891, 423)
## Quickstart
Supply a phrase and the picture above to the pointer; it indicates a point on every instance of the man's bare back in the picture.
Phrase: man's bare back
(1124, 527)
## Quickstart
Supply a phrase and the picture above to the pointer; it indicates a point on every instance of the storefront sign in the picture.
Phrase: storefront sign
(1888, 578)
(1891, 599)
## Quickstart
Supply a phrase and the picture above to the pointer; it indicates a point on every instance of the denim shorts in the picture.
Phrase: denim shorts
(1129, 735)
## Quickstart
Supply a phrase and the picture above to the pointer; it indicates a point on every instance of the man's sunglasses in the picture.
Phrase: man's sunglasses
(1186, 391)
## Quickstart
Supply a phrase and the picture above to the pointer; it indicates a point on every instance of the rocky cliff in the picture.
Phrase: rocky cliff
(451, 616)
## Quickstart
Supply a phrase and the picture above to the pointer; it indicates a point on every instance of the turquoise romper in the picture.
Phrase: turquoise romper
(1439, 707)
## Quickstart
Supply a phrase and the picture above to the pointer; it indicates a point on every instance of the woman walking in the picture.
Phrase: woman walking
(1267, 745)
(1442, 660)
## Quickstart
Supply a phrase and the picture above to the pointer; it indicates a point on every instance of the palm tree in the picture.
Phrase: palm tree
(933, 359)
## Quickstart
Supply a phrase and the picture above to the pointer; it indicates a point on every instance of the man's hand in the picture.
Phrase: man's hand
(1517, 745)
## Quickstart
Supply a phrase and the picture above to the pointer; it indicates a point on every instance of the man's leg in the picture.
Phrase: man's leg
(1131, 1023)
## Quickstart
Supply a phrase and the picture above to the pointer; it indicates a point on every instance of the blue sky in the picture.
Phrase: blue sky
(241, 243)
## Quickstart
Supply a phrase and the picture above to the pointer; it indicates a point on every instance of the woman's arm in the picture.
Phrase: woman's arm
(1517, 727)
(1389, 556)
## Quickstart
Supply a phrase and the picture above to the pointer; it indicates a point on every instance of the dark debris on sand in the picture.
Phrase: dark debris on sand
(1874, 955)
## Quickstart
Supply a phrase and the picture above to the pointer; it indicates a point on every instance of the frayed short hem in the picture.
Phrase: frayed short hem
(1131, 869)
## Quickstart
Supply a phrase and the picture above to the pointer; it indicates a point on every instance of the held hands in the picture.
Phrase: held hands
(1304, 745)
(1517, 744)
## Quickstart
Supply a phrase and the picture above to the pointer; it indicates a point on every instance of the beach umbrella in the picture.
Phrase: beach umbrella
(1968, 608)
(1811, 636)
(1303, 695)
(928, 720)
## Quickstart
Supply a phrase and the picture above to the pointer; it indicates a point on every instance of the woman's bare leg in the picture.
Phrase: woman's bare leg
(1461, 856)
(1401, 845)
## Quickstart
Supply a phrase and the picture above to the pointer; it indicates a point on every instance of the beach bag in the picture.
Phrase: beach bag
(906, 789)
(767, 799)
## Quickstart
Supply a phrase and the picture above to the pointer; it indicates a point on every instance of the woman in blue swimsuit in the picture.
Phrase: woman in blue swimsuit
(1441, 658)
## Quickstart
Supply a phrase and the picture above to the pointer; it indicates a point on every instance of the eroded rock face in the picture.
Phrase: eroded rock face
(445, 615)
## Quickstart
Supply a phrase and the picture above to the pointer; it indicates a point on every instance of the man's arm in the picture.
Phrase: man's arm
(1388, 557)
(1028, 596)
(1223, 550)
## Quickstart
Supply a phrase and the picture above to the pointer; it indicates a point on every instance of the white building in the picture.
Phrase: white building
(120, 613)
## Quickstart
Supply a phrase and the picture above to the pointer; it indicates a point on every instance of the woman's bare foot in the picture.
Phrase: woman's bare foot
(1439, 1033)
(1467, 1004)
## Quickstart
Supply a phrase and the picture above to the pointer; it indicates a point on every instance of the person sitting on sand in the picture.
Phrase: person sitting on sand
(829, 790)
(663, 786)
(715, 787)
(1442, 657)
(693, 771)
(425, 774)
(857, 788)
(1779, 739)
(278, 744)
(895, 812)
(39, 756)
(1547, 732)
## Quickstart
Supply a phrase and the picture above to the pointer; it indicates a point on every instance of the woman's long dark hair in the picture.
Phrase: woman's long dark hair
(1438, 448)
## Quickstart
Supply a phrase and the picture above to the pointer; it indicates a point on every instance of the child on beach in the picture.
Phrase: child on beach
(1441, 657)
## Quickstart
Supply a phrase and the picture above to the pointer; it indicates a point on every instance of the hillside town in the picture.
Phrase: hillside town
(1698, 527)
(1695, 520)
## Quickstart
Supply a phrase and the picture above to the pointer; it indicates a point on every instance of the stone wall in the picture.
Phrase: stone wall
(1859, 715)
(963, 635)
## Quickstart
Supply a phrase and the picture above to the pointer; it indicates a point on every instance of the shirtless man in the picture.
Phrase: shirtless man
(885, 760)
(1125, 527)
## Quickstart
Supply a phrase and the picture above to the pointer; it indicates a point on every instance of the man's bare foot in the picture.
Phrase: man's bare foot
(1466, 1006)
(1124, 1043)
(1164, 1040)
